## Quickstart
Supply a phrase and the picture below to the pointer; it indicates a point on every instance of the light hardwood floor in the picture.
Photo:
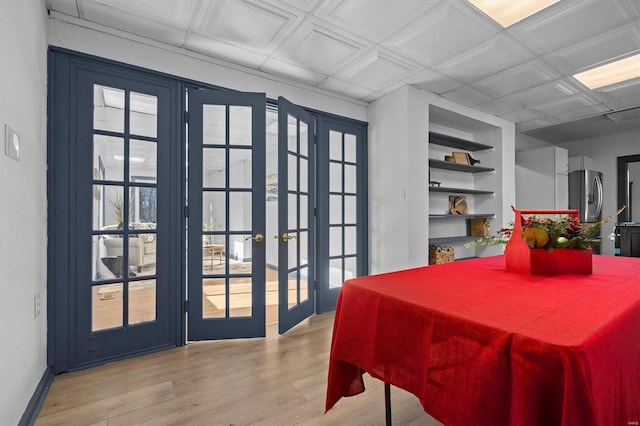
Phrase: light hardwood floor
(277, 380)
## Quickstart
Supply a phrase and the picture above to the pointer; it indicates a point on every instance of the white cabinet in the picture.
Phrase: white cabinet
(542, 179)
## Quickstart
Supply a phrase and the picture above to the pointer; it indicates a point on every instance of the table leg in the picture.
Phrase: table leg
(387, 403)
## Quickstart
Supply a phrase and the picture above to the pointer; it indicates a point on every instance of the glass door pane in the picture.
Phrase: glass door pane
(124, 209)
(341, 208)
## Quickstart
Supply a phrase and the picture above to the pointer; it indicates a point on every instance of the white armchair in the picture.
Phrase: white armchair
(142, 247)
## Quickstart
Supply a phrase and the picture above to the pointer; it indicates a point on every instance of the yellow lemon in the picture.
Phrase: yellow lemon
(535, 237)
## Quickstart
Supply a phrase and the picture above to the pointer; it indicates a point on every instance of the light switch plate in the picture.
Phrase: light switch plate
(11, 143)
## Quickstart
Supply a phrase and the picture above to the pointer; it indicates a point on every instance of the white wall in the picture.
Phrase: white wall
(23, 208)
(604, 152)
(527, 143)
(389, 180)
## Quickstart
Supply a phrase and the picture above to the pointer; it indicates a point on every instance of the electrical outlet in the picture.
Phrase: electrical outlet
(36, 305)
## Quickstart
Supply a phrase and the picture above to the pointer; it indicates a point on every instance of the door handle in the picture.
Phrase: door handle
(286, 237)
(258, 238)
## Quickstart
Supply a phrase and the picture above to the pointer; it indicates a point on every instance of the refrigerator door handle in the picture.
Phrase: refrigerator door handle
(600, 191)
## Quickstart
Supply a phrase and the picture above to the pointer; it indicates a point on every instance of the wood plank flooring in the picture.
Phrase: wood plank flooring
(277, 380)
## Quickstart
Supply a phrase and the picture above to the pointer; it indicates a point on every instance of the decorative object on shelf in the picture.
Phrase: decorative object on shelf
(440, 254)
(460, 158)
(458, 204)
(449, 158)
(480, 227)
(471, 161)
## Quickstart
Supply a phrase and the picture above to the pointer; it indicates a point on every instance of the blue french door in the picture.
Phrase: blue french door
(296, 220)
(226, 214)
(123, 173)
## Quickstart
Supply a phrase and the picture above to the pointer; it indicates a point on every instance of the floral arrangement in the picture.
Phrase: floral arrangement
(563, 231)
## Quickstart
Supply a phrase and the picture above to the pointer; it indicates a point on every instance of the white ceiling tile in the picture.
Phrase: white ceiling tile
(170, 30)
(305, 5)
(467, 95)
(516, 79)
(587, 111)
(624, 95)
(377, 70)
(494, 55)
(619, 42)
(320, 49)
(498, 107)
(245, 23)
(566, 104)
(533, 124)
(292, 71)
(226, 51)
(542, 95)
(522, 115)
(569, 22)
(68, 7)
(168, 12)
(373, 19)
(433, 81)
(333, 84)
(444, 31)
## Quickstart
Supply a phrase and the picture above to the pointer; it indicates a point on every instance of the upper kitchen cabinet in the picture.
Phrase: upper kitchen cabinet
(412, 133)
(541, 178)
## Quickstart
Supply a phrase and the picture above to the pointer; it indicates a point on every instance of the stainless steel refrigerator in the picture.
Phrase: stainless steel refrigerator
(585, 194)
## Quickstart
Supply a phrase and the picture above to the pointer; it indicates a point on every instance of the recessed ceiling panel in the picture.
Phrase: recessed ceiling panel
(377, 71)
(373, 19)
(566, 104)
(624, 95)
(174, 13)
(433, 81)
(522, 115)
(587, 111)
(498, 107)
(440, 33)
(321, 50)
(590, 53)
(226, 51)
(488, 58)
(516, 79)
(542, 95)
(467, 95)
(333, 84)
(63, 6)
(292, 71)
(156, 26)
(533, 124)
(244, 23)
(305, 5)
(571, 22)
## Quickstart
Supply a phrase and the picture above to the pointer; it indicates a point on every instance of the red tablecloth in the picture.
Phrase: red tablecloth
(479, 345)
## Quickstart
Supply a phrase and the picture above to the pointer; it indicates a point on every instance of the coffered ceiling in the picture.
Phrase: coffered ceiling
(364, 49)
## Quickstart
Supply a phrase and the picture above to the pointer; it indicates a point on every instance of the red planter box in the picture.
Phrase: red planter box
(524, 260)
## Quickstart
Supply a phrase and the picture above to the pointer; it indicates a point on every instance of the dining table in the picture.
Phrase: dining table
(477, 344)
